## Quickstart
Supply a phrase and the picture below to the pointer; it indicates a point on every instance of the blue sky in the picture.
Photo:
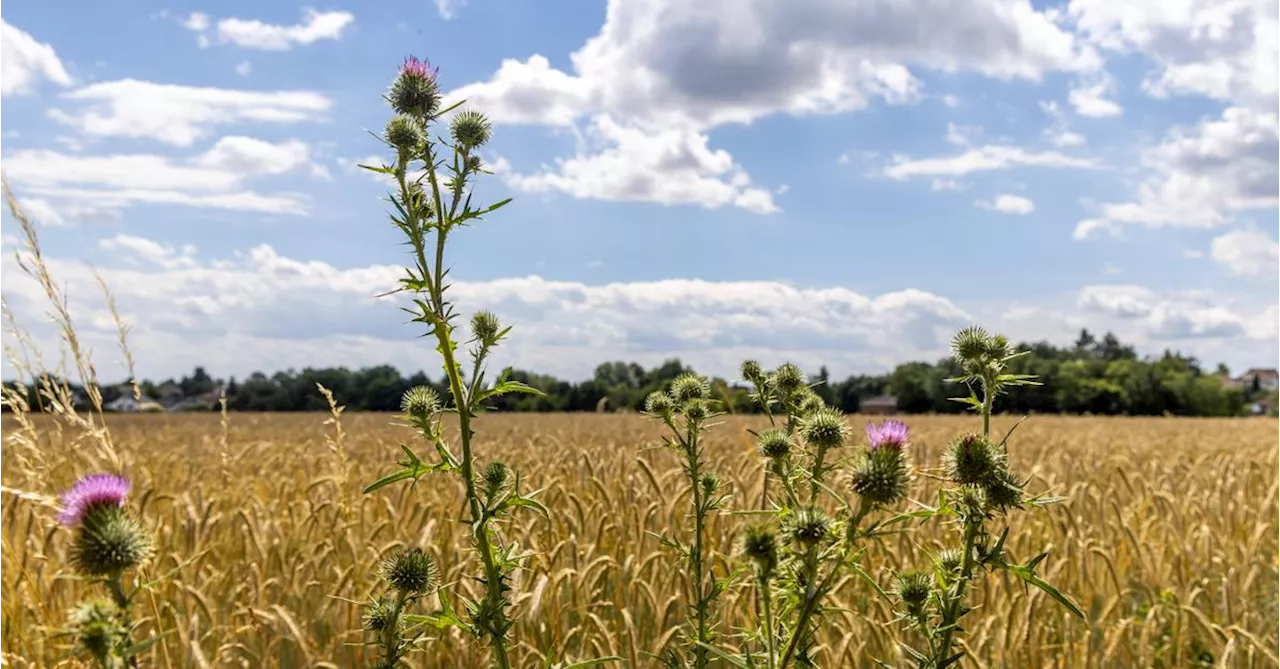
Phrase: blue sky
(829, 181)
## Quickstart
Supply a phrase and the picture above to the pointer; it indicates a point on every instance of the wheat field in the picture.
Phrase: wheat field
(1168, 539)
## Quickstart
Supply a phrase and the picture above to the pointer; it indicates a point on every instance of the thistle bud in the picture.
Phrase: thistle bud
(658, 404)
(415, 92)
(760, 545)
(709, 483)
(774, 443)
(972, 460)
(913, 589)
(809, 402)
(420, 403)
(752, 373)
(380, 615)
(471, 129)
(474, 164)
(970, 344)
(998, 347)
(787, 378)
(971, 502)
(1003, 491)
(881, 477)
(405, 133)
(108, 542)
(824, 428)
(95, 625)
(689, 387)
(697, 409)
(485, 327)
(410, 571)
(949, 560)
(808, 527)
(495, 477)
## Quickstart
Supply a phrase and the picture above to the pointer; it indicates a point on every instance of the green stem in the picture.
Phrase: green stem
(699, 652)
(811, 597)
(769, 642)
(951, 612)
(391, 636)
(815, 475)
(116, 586)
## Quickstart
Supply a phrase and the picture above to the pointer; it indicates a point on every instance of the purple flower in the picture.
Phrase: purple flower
(90, 491)
(418, 68)
(889, 434)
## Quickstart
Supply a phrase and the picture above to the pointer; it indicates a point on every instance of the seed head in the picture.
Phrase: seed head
(410, 571)
(787, 378)
(380, 615)
(950, 559)
(889, 434)
(415, 92)
(752, 372)
(808, 527)
(485, 327)
(913, 589)
(405, 133)
(774, 443)
(96, 626)
(658, 404)
(689, 386)
(823, 428)
(972, 460)
(108, 542)
(760, 545)
(471, 129)
(420, 402)
(92, 491)
(881, 477)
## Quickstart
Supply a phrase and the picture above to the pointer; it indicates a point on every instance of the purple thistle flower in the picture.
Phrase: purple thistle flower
(90, 491)
(889, 434)
(418, 68)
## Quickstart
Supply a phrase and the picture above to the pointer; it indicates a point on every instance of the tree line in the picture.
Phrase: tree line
(1094, 375)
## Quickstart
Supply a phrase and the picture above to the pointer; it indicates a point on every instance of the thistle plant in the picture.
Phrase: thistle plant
(106, 543)
(410, 574)
(686, 409)
(797, 568)
(982, 489)
(434, 177)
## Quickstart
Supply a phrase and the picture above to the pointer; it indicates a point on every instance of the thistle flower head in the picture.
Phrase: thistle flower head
(824, 428)
(808, 527)
(658, 404)
(787, 378)
(405, 133)
(107, 542)
(809, 402)
(697, 409)
(970, 344)
(485, 327)
(949, 559)
(689, 386)
(474, 164)
(972, 460)
(415, 91)
(411, 571)
(881, 477)
(496, 475)
(95, 624)
(709, 483)
(760, 545)
(420, 402)
(913, 589)
(380, 615)
(92, 491)
(774, 443)
(471, 129)
(752, 372)
(889, 434)
(1004, 491)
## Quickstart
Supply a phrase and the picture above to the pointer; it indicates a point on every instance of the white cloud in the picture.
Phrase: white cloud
(1203, 176)
(25, 61)
(1090, 99)
(1066, 139)
(1247, 252)
(1176, 315)
(236, 154)
(1008, 204)
(244, 68)
(947, 184)
(669, 167)
(447, 9)
(142, 251)
(180, 115)
(960, 134)
(981, 159)
(951, 100)
(255, 34)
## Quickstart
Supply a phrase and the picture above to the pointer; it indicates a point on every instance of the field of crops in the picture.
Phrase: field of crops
(1168, 540)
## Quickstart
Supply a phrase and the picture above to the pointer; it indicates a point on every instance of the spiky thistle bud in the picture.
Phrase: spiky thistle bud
(787, 378)
(415, 92)
(95, 625)
(380, 615)
(949, 559)
(808, 527)
(420, 403)
(470, 129)
(809, 403)
(760, 545)
(689, 386)
(774, 443)
(998, 347)
(495, 477)
(658, 404)
(107, 542)
(752, 372)
(970, 344)
(474, 164)
(697, 409)
(913, 589)
(971, 502)
(405, 133)
(1004, 491)
(485, 327)
(824, 428)
(709, 483)
(881, 477)
(972, 460)
(411, 571)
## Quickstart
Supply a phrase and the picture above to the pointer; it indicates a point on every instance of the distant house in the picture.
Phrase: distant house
(881, 405)
(127, 404)
(1267, 379)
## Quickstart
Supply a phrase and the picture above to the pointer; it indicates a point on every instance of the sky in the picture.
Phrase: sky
(831, 182)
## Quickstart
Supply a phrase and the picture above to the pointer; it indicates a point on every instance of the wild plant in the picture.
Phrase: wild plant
(107, 542)
(982, 489)
(434, 179)
(798, 556)
(686, 409)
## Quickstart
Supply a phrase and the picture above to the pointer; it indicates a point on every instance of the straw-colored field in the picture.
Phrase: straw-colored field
(1168, 540)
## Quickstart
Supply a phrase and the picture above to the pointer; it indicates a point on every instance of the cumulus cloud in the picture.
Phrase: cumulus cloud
(255, 34)
(983, 159)
(1008, 204)
(1177, 315)
(1247, 252)
(25, 61)
(180, 115)
(1089, 99)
